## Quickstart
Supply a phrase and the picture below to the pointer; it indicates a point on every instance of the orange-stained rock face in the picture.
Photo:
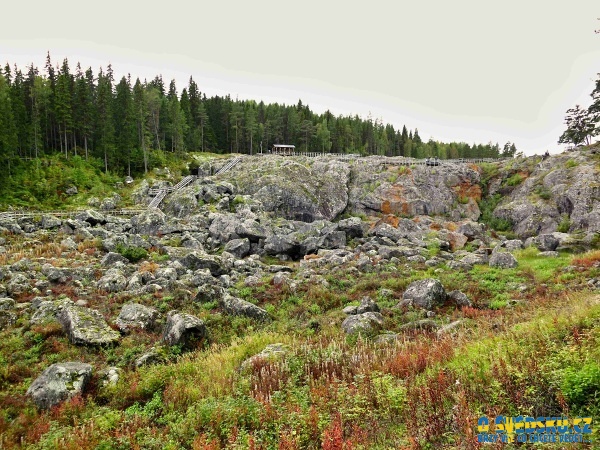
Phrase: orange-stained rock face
(468, 190)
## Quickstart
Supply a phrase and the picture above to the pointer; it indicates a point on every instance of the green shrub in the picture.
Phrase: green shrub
(565, 224)
(571, 163)
(581, 387)
(514, 180)
(133, 254)
(487, 206)
(543, 192)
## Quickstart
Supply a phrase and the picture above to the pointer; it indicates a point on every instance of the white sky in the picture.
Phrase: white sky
(460, 70)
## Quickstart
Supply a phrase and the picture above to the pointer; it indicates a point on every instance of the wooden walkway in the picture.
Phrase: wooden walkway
(20, 214)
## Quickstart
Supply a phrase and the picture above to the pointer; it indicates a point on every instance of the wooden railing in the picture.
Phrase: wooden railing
(17, 214)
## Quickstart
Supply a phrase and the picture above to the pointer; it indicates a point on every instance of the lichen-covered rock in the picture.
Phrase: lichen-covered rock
(420, 325)
(562, 186)
(377, 185)
(150, 222)
(238, 247)
(198, 260)
(86, 326)
(59, 382)
(368, 323)
(238, 307)
(134, 315)
(56, 274)
(47, 310)
(367, 304)
(425, 293)
(299, 189)
(111, 258)
(7, 318)
(18, 284)
(282, 245)
(503, 260)
(92, 217)
(459, 298)
(49, 222)
(184, 329)
(354, 227)
(546, 242)
(271, 353)
(112, 281)
(110, 376)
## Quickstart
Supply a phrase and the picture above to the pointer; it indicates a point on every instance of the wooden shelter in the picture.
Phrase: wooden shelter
(283, 149)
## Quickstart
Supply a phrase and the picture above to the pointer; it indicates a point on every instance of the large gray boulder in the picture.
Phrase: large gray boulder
(546, 242)
(59, 382)
(251, 229)
(238, 307)
(86, 326)
(184, 329)
(425, 293)
(150, 222)
(238, 247)
(368, 323)
(18, 284)
(92, 217)
(301, 189)
(112, 281)
(198, 260)
(223, 227)
(134, 315)
(50, 222)
(503, 260)
(48, 310)
(353, 227)
(282, 245)
(271, 353)
(111, 258)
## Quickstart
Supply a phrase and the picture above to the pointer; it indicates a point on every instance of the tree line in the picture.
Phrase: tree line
(125, 123)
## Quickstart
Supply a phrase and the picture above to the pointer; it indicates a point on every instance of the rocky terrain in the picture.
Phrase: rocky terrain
(286, 246)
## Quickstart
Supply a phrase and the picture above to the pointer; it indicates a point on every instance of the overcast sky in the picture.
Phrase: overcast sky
(462, 70)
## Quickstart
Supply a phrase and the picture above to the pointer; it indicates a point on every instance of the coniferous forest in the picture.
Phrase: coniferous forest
(128, 123)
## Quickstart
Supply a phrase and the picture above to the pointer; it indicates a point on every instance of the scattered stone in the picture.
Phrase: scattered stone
(238, 307)
(271, 353)
(110, 376)
(112, 281)
(238, 247)
(350, 310)
(368, 323)
(86, 326)
(420, 325)
(184, 329)
(425, 293)
(503, 260)
(459, 299)
(111, 258)
(59, 382)
(546, 242)
(367, 305)
(449, 328)
(134, 315)
(92, 217)
(549, 254)
(148, 359)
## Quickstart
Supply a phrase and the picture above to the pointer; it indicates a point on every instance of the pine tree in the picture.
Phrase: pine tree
(8, 130)
(104, 117)
(141, 117)
(63, 105)
(125, 129)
